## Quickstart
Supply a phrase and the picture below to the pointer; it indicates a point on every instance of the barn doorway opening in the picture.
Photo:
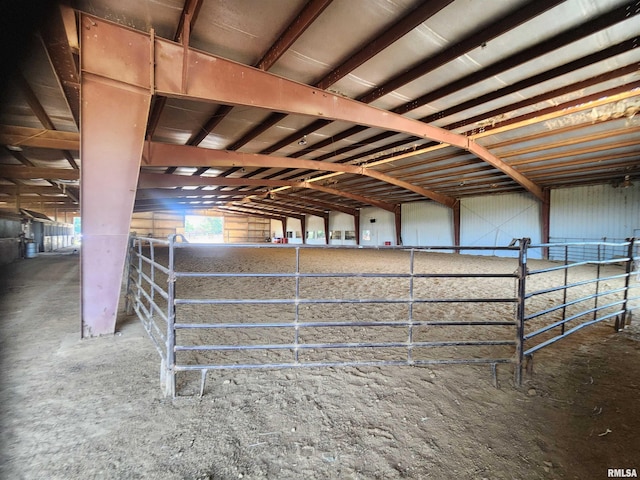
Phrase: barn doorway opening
(204, 229)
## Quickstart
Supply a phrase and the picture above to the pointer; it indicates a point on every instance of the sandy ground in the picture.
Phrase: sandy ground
(73, 409)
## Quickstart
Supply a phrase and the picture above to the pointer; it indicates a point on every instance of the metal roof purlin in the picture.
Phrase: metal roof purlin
(160, 154)
(155, 180)
(241, 85)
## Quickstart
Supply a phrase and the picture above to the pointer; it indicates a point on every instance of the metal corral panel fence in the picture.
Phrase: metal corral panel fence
(295, 314)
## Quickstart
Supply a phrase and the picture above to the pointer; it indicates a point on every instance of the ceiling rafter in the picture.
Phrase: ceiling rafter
(291, 33)
(27, 173)
(56, 41)
(474, 40)
(477, 77)
(186, 22)
(154, 180)
(603, 54)
(253, 212)
(236, 84)
(312, 201)
(158, 154)
(260, 203)
(371, 48)
(579, 104)
(39, 111)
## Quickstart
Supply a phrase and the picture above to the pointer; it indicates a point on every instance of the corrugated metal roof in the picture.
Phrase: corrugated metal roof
(552, 88)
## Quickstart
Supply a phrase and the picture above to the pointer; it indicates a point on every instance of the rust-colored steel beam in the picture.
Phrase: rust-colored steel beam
(483, 35)
(617, 15)
(505, 24)
(252, 212)
(326, 228)
(303, 20)
(219, 80)
(26, 189)
(207, 77)
(60, 53)
(283, 207)
(189, 15)
(154, 180)
(39, 172)
(313, 201)
(35, 137)
(159, 154)
(382, 40)
(162, 193)
(39, 111)
(543, 77)
(116, 96)
(397, 216)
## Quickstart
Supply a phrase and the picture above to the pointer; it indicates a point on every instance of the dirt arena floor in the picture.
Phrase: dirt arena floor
(85, 409)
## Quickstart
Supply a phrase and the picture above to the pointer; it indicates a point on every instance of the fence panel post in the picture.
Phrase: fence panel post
(169, 368)
(522, 277)
(127, 298)
(628, 270)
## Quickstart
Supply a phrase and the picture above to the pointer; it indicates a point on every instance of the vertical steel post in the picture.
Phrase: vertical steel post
(115, 99)
(127, 299)
(628, 269)
(597, 293)
(520, 314)
(456, 225)
(564, 290)
(170, 373)
(297, 313)
(410, 339)
(152, 291)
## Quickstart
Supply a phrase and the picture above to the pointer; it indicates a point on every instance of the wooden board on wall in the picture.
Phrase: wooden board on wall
(241, 229)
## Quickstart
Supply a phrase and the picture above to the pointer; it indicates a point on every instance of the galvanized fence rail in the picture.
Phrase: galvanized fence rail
(606, 288)
(186, 343)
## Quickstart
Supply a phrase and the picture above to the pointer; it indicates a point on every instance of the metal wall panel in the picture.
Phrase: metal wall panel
(342, 223)
(427, 223)
(315, 230)
(380, 231)
(295, 227)
(498, 219)
(595, 212)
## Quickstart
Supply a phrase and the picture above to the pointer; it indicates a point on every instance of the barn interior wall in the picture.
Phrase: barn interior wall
(343, 227)
(157, 224)
(378, 231)
(244, 229)
(426, 223)
(315, 231)
(9, 232)
(595, 212)
(495, 220)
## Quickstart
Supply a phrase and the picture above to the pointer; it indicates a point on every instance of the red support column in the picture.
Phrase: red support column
(398, 219)
(456, 224)
(112, 127)
(326, 228)
(356, 225)
(546, 213)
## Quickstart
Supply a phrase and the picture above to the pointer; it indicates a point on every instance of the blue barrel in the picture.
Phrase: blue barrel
(31, 251)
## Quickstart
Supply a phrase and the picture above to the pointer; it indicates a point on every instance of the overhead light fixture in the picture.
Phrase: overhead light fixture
(14, 148)
(626, 183)
(303, 141)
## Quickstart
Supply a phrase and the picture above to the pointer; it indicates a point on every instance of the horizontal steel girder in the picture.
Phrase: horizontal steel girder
(188, 73)
(166, 155)
(159, 180)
